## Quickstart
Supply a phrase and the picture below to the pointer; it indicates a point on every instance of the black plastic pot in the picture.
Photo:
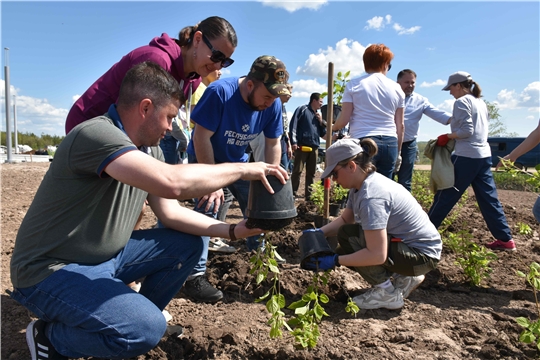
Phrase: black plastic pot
(333, 209)
(318, 220)
(313, 244)
(270, 211)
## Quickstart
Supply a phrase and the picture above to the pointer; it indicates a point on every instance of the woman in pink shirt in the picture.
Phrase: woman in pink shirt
(199, 50)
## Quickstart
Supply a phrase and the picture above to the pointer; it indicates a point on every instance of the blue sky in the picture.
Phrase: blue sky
(58, 49)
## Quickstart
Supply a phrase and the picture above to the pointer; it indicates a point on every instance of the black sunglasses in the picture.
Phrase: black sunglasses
(217, 56)
(333, 174)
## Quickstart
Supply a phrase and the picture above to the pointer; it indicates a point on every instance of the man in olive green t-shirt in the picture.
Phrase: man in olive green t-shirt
(76, 248)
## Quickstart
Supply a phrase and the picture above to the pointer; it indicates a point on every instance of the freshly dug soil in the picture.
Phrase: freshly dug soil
(268, 224)
(445, 318)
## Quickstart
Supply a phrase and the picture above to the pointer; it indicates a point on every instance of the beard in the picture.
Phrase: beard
(251, 101)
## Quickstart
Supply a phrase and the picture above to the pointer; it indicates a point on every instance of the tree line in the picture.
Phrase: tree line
(34, 141)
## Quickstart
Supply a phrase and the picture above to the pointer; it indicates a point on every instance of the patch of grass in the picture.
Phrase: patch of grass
(513, 181)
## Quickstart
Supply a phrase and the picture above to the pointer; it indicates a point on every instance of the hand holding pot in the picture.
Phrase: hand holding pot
(260, 170)
(241, 231)
(324, 262)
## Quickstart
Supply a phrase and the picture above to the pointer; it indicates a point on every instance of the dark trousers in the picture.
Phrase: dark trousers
(477, 173)
(408, 156)
(309, 159)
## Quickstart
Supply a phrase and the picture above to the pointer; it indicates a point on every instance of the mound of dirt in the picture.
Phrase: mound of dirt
(445, 318)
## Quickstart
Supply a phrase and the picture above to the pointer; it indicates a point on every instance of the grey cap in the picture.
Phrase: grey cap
(457, 77)
(340, 150)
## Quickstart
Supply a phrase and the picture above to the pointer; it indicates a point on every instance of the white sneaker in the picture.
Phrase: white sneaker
(218, 245)
(166, 315)
(376, 298)
(407, 284)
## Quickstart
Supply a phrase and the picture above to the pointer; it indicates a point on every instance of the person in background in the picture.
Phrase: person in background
(383, 232)
(76, 248)
(305, 132)
(257, 144)
(231, 113)
(199, 50)
(373, 107)
(472, 161)
(528, 144)
(415, 107)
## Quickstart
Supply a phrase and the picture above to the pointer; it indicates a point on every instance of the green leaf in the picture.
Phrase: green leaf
(297, 304)
(260, 278)
(263, 297)
(301, 310)
(523, 321)
(275, 332)
(527, 337)
(281, 300)
(273, 268)
(319, 311)
(323, 298)
(272, 305)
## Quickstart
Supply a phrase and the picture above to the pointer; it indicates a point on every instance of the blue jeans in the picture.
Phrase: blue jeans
(91, 312)
(477, 173)
(387, 154)
(536, 209)
(238, 190)
(169, 146)
(408, 156)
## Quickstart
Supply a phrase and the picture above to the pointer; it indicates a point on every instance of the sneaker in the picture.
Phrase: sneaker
(509, 245)
(174, 330)
(167, 315)
(40, 346)
(407, 284)
(376, 298)
(199, 289)
(218, 245)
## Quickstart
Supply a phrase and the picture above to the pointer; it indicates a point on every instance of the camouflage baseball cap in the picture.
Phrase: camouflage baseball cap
(272, 73)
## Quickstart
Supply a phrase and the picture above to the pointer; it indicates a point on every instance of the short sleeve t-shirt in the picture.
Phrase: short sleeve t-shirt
(234, 123)
(384, 204)
(375, 99)
(79, 213)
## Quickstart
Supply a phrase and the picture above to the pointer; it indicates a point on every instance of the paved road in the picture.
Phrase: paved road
(17, 158)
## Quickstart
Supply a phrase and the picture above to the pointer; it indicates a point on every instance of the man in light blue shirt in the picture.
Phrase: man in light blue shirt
(415, 106)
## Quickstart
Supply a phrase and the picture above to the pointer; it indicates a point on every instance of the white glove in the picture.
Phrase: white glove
(398, 164)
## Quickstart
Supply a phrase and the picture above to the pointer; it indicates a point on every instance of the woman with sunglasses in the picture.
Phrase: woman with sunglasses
(199, 50)
(383, 233)
(373, 107)
(472, 161)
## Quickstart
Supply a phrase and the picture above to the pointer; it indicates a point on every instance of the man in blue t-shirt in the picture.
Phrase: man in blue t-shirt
(231, 113)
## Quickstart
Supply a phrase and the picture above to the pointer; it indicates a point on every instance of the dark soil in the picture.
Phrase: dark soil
(445, 318)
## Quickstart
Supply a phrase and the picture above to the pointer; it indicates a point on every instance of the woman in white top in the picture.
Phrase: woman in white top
(472, 161)
(373, 106)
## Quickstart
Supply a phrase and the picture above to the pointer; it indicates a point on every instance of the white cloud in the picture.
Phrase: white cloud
(304, 88)
(530, 117)
(346, 56)
(35, 115)
(225, 72)
(437, 82)
(292, 6)
(379, 23)
(376, 23)
(447, 105)
(528, 98)
(430, 48)
(74, 98)
(404, 31)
